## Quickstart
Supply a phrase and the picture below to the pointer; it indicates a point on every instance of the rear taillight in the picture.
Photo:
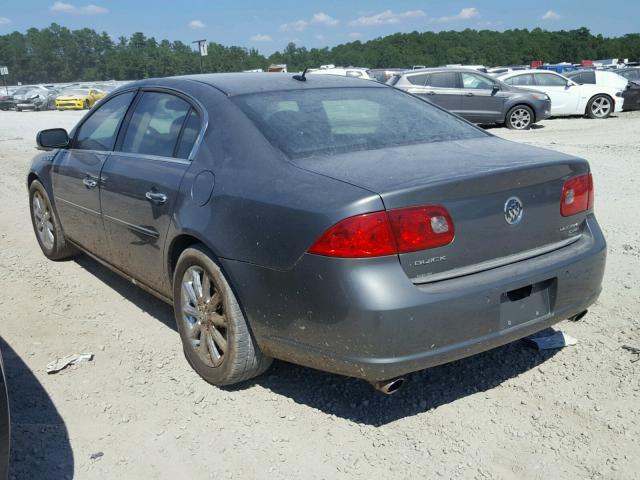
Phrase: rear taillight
(577, 195)
(387, 233)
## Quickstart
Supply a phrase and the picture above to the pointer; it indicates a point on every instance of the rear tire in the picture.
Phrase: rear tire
(600, 106)
(519, 117)
(215, 336)
(46, 225)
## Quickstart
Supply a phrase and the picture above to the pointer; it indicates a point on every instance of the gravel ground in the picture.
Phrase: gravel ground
(138, 410)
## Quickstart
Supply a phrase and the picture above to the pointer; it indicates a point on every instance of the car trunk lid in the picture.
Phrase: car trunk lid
(474, 180)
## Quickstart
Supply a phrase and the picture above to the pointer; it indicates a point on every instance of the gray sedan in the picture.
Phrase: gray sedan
(327, 221)
(476, 96)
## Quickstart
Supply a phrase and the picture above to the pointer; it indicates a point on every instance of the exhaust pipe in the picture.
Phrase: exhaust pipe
(389, 387)
(578, 316)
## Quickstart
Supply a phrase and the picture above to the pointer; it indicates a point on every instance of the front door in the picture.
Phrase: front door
(75, 175)
(141, 182)
(564, 98)
(481, 102)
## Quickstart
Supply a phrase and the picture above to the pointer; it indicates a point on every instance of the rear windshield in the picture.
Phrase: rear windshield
(336, 120)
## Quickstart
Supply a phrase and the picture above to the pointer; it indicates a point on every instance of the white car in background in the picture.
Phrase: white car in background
(567, 96)
(342, 71)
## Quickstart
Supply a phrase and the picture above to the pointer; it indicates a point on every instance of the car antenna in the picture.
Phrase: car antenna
(303, 77)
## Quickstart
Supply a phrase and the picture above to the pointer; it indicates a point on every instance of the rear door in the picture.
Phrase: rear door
(141, 180)
(443, 88)
(76, 174)
(480, 103)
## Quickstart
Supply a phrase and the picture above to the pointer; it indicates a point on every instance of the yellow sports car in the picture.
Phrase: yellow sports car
(78, 98)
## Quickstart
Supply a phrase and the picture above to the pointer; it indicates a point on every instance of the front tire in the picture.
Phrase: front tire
(46, 225)
(86, 105)
(215, 336)
(519, 117)
(600, 106)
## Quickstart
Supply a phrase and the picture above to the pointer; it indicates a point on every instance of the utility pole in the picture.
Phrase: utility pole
(202, 48)
(4, 71)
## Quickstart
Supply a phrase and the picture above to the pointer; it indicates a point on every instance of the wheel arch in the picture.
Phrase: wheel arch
(179, 243)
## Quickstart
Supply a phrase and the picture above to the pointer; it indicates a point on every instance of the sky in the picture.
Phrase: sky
(270, 25)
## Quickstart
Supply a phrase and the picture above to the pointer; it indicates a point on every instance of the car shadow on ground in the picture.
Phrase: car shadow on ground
(357, 401)
(351, 398)
(136, 295)
(40, 447)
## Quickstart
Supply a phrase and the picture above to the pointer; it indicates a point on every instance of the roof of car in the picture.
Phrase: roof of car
(531, 70)
(243, 83)
(442, 69)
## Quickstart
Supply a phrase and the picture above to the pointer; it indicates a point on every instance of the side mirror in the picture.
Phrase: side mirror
(52, 138)
(495, 89)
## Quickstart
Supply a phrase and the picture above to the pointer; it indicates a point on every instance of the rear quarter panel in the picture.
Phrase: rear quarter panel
(263, 209)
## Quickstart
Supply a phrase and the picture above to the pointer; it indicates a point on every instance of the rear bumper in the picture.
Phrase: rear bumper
(364, 318)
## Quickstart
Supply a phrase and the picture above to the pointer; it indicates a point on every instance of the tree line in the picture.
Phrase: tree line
(57, 54)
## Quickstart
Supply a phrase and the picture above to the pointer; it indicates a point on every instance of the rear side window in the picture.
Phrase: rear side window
(521, 80)
(155, 125)
(550, 80)
(99, 131)
(418, 79)
(189, 135)
(335, 120)
(443, 80)
(588, 77)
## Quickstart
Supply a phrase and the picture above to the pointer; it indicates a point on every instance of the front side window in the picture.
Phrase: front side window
(476, 82)
(99, 131)
(443, 80)
(155, 125)
(336, 120)
(520, 80)
(550, 80)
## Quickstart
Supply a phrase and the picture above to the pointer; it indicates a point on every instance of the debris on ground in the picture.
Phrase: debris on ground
(634, 350)
(61, 363)
(557, 339)
(96, 456)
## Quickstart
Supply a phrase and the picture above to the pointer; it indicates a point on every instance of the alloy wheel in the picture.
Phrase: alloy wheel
(601, 107)
(520, 118)
(203, 316)
(43, 221)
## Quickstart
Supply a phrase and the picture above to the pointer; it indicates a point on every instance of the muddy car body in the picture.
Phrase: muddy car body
(335, 223)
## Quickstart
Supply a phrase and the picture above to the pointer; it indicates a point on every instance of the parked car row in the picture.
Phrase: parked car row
(518, 98)
(50, 97)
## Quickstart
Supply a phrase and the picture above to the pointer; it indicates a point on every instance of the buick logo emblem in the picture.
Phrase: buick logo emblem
(513, 210)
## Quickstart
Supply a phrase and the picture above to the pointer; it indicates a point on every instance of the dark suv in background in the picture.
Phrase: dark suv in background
(475, 96)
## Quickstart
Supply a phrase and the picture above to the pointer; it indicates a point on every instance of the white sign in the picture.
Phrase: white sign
(203, 48)
(4, 71)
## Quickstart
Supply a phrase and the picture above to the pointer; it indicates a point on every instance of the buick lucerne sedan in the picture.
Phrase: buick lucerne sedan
(327, 221)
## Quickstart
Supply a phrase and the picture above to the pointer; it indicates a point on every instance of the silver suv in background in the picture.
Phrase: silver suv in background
(475, 96)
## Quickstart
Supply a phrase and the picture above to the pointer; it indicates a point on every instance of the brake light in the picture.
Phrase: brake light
(387, 233)
(577, 195)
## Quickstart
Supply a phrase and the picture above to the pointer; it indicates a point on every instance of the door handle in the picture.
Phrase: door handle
(469, 94)
(431, 92)
(157, 198)
(90, 182)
